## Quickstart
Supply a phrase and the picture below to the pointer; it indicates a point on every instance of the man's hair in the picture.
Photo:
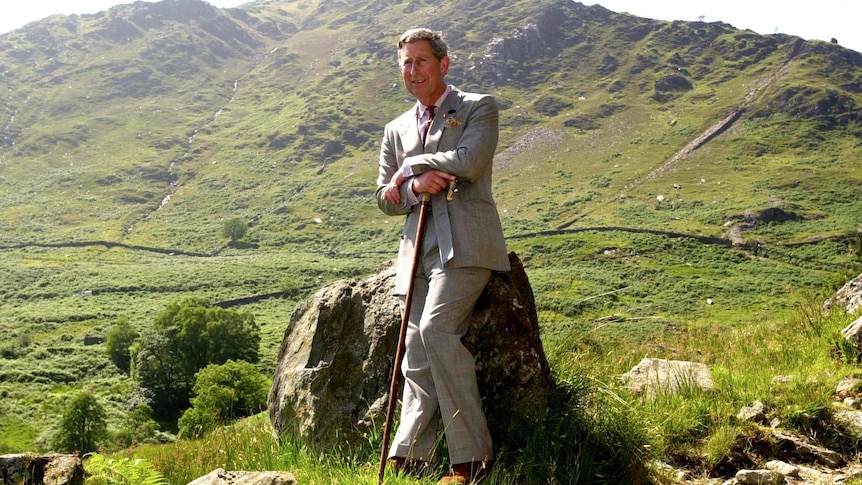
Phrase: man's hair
(438, 45)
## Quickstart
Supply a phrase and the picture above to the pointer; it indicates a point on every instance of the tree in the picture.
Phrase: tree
(223, 393)
(157, 371)
(186, 337)
(82, 426)
(138, 427)
(118, 341)
(234, 229)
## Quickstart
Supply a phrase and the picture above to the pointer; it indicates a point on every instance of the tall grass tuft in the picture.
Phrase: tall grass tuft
(588, 436)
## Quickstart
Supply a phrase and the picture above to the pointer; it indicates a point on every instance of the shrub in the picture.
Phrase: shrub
(83, 427)
(119, 339)
(222, 394)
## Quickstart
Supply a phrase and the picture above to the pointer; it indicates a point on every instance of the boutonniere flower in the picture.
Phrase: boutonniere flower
(451, 121)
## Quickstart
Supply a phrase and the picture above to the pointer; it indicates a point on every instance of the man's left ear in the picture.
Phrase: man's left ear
(444, 65)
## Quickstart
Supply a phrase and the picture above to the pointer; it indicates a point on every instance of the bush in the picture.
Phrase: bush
(138, 427)
(222, 394)
(118, 341)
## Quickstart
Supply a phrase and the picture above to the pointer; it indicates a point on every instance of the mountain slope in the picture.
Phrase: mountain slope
(643, 167)
(262, 112)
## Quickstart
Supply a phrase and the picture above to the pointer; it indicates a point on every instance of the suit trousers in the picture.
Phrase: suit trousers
(439, 372)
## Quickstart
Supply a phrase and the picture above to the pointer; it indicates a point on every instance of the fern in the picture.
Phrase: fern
(108, 471)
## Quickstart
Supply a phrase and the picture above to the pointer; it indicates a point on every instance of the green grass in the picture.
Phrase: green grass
(587, 436)
(597, 432)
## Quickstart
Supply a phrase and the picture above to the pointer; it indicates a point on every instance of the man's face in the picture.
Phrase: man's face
(423, 74)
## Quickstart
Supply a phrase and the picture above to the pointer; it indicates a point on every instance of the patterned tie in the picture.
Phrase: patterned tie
(427, 124)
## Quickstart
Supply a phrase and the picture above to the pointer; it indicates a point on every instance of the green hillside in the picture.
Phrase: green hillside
(644, 167)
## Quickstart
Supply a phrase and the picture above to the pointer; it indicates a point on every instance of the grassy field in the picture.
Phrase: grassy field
(604, 434)
(606, 299)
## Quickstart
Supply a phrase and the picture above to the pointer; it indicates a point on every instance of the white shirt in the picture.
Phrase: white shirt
(422, 114)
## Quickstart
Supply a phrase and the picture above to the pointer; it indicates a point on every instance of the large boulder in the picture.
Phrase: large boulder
(334, 368)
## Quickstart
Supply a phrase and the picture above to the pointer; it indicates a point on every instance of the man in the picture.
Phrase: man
(463, 243)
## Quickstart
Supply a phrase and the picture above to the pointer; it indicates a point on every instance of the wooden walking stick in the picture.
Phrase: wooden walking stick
(399, 352)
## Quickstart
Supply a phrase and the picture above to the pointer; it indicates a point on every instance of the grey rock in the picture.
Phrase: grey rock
(849, 297)
(754, 413)
(798, 447)
(786, 469)
(221, 477)
(849, 421)
(848, 387)
(853, 333)
(30, 468)
(334, 368)
(653, 376)
(759, 477)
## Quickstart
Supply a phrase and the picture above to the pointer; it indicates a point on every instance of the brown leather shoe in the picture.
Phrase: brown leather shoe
(409, 466)
(464, 473)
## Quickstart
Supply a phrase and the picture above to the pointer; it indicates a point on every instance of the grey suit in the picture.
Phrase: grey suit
(463, 244)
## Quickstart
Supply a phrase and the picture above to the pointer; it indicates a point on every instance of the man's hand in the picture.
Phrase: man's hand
(432, 182)
(392, 192)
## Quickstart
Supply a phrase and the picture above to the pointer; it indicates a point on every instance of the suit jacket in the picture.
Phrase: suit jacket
(461, 141)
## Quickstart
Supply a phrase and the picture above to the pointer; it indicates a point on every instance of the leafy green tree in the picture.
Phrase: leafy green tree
(187, 336)
(157, 371)
(138, 427)
(118, 341)
(83, 426)
(234, 229)
(223, 393)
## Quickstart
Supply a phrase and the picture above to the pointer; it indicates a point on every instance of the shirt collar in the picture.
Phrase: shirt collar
(421, 108)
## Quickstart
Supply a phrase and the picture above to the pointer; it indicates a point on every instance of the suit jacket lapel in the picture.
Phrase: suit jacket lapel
(409, 134)
(451, 103)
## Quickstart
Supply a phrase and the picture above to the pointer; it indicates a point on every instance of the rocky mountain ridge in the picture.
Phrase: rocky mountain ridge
(144, 99)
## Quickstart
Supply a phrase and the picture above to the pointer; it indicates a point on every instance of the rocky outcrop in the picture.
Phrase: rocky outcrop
(785, 456)
(848, 298)
(221, 477)
(334, 368)
(33, 469)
